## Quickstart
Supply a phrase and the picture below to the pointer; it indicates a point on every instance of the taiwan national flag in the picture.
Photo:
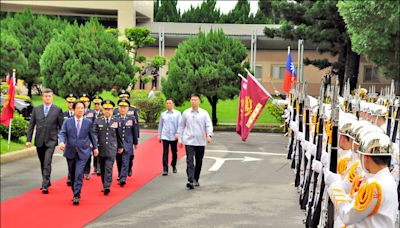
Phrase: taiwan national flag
(290, 74)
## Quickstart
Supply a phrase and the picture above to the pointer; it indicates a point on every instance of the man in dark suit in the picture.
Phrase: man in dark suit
(98, 113)
(48, 119)
(132, 111)
(75, 138)
(91, 115)
(129, 139)
(109, 141)
(70, 99)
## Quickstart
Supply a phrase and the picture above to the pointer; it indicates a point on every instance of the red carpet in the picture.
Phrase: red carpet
(34, 209)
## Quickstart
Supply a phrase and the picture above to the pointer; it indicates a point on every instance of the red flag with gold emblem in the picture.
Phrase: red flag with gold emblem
(241, 107)
(255, 101)
(7, 112)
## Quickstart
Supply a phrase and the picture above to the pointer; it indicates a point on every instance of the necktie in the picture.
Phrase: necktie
(107, 121)
(78, 127)
(46, 111)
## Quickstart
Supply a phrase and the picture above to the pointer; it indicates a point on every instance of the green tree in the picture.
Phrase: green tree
(166, 11)
(87, 59)
(33, 33)
(137, 38)
(11, 55)
(374, 29)
(238, 15)
(318, 22)
(205, 13)
(206, 64)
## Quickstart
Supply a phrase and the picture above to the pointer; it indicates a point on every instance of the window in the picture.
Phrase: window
(278, 72)
(370, 74)
(258, 72)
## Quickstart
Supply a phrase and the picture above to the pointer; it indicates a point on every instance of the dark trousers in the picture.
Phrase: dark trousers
(154, 83)
(45, 155)
(174, 149)
(194, 161)
(96, 164)
(130, 163)
(76, 168)
(123, 164)
(106, 165)
(141, 85)
(87, 166)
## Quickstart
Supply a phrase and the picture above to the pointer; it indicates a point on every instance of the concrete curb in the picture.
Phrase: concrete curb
(17, 155)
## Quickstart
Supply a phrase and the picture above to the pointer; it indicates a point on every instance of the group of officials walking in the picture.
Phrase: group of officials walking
(110, 134)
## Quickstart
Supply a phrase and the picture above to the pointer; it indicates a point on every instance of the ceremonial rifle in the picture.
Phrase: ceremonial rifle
(299, 150)
(390, 112)
(294, 113)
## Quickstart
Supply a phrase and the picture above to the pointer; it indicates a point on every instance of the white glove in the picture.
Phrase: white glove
(293, 126)
(313, 149)
(330, 177)
(325, 158)
(300, 136)
(316, 166)
(305, 145)
(308, 155)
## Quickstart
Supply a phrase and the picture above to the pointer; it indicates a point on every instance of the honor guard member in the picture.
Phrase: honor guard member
(70, 99)
(109, 142)
(97, 100)
(375, 203)
(125, 95)
(89, 114)
(130, 140)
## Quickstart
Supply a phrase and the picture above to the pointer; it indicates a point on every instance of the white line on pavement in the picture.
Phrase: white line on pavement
(246, 152)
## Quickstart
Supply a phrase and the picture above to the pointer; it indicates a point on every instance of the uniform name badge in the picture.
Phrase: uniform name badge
(129, 123)
(130, 113)
(100, 125)
(66, 117)
(89, 115)
(114, 125)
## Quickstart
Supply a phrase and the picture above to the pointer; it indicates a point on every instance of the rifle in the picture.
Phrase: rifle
(299, 150)
(391, 103)
(294, 145)
(290, 149)
(396, 125)
(304, 196)
(328, 211)
(314, 175)
(320, 195)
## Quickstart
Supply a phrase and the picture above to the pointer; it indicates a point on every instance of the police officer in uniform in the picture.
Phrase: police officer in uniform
(124, 95)
(91, 115)
(109, 141)
(130, 140)
(70, 99)
(97, 100)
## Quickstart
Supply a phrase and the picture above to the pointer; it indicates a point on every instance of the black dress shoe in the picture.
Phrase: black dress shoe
(98, 173)
(189, 185)
(75, 201)
(174, 170)
(196, 183)
(106, 191)
(130, 173)
(165, 173)
(69, 182)
(122, 183)
(45, 190)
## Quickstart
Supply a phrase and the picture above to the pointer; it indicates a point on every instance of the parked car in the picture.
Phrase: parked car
(24, 107)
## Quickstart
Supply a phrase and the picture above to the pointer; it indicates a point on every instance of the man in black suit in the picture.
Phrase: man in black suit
(70, 99)
(48, 119)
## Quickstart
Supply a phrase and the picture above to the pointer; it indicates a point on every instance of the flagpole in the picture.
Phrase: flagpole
(9, 135)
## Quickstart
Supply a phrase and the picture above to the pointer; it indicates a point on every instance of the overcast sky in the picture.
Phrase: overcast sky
(223, 5)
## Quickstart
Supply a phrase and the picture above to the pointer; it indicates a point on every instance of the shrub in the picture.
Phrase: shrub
(19, 128)
(275, 111)
(149, 108)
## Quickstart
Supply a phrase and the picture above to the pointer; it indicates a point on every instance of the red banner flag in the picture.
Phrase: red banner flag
(8, 108)
(255, 101)
(241, 105)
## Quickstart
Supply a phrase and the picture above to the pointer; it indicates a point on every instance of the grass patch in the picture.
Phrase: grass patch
(13, 145)
(226, 110)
